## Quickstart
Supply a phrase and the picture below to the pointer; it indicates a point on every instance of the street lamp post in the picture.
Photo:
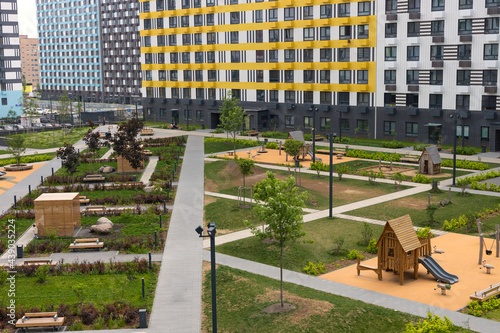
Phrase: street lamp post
(314, 109)
(331, 137)
(212, 230)
(340, 126)
(455, 146)
(187, 117)
(463, 136)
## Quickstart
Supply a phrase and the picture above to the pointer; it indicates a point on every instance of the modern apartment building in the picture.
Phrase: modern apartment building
(29, 60)
(90, 49)
(10, 60)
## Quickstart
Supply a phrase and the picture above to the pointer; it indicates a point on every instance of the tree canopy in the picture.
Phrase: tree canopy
(292, 147)
(16, 146)
(231, 117)
(125, 142)
(69, 156)
(246, 165)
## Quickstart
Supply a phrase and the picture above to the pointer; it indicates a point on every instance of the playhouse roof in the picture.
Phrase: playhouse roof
(433, 154)
(296, 135)
(406, 235)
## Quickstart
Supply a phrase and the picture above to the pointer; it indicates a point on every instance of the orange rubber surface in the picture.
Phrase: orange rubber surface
(14, 177)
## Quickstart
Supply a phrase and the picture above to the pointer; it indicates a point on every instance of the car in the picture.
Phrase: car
(8, 128)
(19, 127)
(38, 125)
(48, 125)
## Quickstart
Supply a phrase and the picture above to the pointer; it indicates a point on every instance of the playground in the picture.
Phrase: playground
(460, 257)
(14, 177)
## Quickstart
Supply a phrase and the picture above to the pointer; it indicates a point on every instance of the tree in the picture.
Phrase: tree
(280, 206)
(292, 147)
(69, 156)
(125, 142)
(463, 183)
(64, 107)
(231, 117)
(398, 178)
(318, 167)
(91, 139)
(12, 115)
(246, 165)
(16, 146)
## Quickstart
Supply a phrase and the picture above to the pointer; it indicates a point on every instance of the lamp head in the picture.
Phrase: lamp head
(212, 229)
(199, 230)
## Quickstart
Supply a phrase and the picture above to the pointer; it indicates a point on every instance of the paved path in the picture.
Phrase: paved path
(177, 304)
(150, 168)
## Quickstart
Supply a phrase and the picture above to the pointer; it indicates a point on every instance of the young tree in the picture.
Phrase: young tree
(91, 139)
(125, 142)
(64, 107)
(16, 146)
(292, 147)
(231, 117)
(12, 115)
(246, 165)
(280, 206)
(79, 110)
(69, 156)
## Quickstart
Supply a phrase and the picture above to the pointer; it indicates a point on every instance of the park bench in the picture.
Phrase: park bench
(83, 199)
(95, 209)
(147, 152)
(86, 243)
(132, 184)
(40, 262)
(318, 138)
(337, 151)
(93, 178)
(486, 294)
(409, 159)
(40, 319)
(147, 131)
(360, 267)
(253, 133)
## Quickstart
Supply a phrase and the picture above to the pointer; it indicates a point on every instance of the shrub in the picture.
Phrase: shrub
(372, 246)
(76, 326)
(398, 178)
(433, 324)
(313, 269)
(271, 145)
(338, 243)
(319, 166)
(366, 234)
(88, 313)
(354, 254)
(466, 150)
(394, 144)
(423, 232)
(419, 178)
(41, 274)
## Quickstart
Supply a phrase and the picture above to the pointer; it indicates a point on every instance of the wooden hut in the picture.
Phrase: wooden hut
(430, 162)
(57, 212)
(123, 165)
(399, 247)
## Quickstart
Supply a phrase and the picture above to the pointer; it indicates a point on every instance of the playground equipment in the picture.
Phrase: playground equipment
(437, 251)
(443, 288)
(400, 249)
(488, 267)
(482, 242)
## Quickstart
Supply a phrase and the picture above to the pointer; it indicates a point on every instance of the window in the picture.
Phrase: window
(259, 36)
(259, 75)
(148, 58)
(289, 55)
(437, 5)
(436, 77)
(308, 33)
(210, 57)
(413, 29)
(200, 94)
(173, 75)
(235, 76)
(188, 76)
(391, 6)
(259, 55)
(488, 103)
(186, 93)
(289, 76)
(211, 38)
(324, 33)
(186, 57)
(186, 39)
(325, 55)
(273, 55)
(362, 126)
(343, 98)
(391, 30)
(389, 100)
(197, 39)
(363, 54)
(274, 76)
(485, 133)
(412, 129)
(412, 100)
(288, 35)
(390, 76)
(273, 96)
(259, 16)
(435, 101)
(147, 24)
(491, 25)
(289, 96)
(308, 55)
(325, 97)
(363, 31)
(159, 23)
(364, 8)
(390, 53)
(466, 131)
(184, 21)
(212, 75)
(324, 124)
(308, 12)
(149, 76)
(210, 19)
(467, 4)
(308, 97)
(198, 75)
(363, 99)
(172, 22)
(464, 51)
(324, 76)
(274, 35)
(465, 27)
(414, 6)
(492, 3)
(413, 53)
(261, 95)
(345, 32)
(463, 77)
(344, 9)
(289, 121)
(325, 11)
(490, 52)
(345, 77)
(436, 52)
(273, 15)
(463, 102)
(235, 17)
(490, 77)
(162, 75)
(389, 127)
(363, 77)
(437, 28)
(308, 122)
(412, 77)
(344, 54)
(235, 37)
(236, 93)
(290, 14)
(235, 56)
(344, 125)
(200, 116)
(211, 93)
(308, 76)
(160, 40)
(185, 4)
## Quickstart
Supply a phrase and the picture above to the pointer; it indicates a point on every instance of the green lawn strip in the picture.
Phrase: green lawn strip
(99, 153)
(53, 138)
(85, 168)
(415, 206)
(99, 289)
(4, 152)
(212, 147)
(315, 246)
(22, 224)
(228, 216)
(124, 197)
(29, 158)
(242, 297)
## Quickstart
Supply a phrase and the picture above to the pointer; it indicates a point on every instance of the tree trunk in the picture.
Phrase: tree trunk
(281, 273)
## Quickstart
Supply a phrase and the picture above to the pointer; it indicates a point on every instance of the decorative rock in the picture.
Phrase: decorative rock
(106, 169)
(105, 228)
(149, 189)
(103, 220)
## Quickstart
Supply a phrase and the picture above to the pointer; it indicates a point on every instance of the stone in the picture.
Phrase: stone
(149, 189)
(103, 220)
(105, 228)
(106, 169)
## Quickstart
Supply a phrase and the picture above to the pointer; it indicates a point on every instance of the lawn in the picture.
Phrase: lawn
(315, 246)
(228, 215)
(215, 145)
(53, 139)
(21, 225)
(242, 298)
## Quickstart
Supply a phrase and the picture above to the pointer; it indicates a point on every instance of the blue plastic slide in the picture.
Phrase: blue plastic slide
(437, 271)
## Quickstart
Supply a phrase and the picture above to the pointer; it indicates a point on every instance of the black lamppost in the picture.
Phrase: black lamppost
(187, 117)
(463, 134)
(314, 109)
(212, 230)
(455, 116)
(340, 126)
(331, 137)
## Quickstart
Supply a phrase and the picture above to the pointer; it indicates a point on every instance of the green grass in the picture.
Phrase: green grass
(228, 215)
(315, 246)
(242, 297)
(29, 158)
(415, 206)
(21, 225)
(100, 289)
(216, 147)
(53, 139)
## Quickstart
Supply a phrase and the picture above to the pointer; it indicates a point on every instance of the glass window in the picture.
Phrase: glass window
(273, 15)
(490, 77)
(343, 98)
(211, 38)
(324, 76)
(259, 55)
(391, 30)
(172, 22)
(186, 57)
(235, 56)
(345, 32)
(273, 55)
(363, 99)
(308, 76)
(261, 95)
(391, 6)
(210, 57)
(344, 54)
(188, 76)
(290, 14)
(274, 76)
(324, 33)
(463, 77)
(414, 6)
(435, 101)
(345, 77)
(412, 100)
(390, 76)
(258, 16)
(490, 52)
(235, 37)
(325, 11)
(308, 55)
(436, 52)
(184, 21)
(389, 100)
(308, 122)
(413, 29)
(198, 74)
(308, 33)
(162, 75)
(363, 54)
(173, 75)
(273, 96)
(210, 19)
(235, 76)
(344, 9)
(259, 74)
(289, 96)
(325, 55)
(274, 35)
(259, 36)
(344, 125)
(235, 17)
(288, 35)
(436, 77)
(174, 58)
(492, 3)
(308, 12)
(491, 25)
(413, 53)
(464, 51)
(437, 5)
(200, 94)
(175, 92)
(467, 4)
(437, 28)
(289, 76)
(363, 31)
(466, 131)
(389, 128)
(289, 121)
(289, 55)
(308, 97)
(364, 8)
(186, 39)
(211, 93)
(362, 126)
(325, 97)
(485, 133)
(324, 123)
(363, 77)
(212, 75)
(488, 103)
(411, 129)
(412, 77)
(465, 27)
(390, 53)
(200, 115)
(463, 102)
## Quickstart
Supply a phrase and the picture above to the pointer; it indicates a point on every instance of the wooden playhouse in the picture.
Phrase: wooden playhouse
(123, 165)
(57, 212)
(429, 162)
(399, 248)
(306, 147)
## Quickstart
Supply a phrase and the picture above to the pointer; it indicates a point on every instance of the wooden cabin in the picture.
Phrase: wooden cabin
(429, 162)
(299, 135)
(399, 247)
(57, 212)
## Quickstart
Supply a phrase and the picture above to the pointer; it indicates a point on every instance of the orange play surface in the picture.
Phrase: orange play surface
(273, 157)
(460, 258)
(14, 177)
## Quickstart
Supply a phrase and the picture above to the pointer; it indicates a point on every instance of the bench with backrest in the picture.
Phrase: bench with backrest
(253, 133)
(147, 152)
(318, 138)
(147, 131)
(86, 243)
(93, 178)
(40, 319)
(409, 159)
(83, 199)
(41, 262)
(337, 151)
(95, 209)
(486, 294)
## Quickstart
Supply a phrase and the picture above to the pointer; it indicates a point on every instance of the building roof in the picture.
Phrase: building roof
(296, 135)
(406, 235)
(433, 154)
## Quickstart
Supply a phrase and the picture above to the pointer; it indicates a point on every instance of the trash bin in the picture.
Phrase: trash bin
(20, 251)
(265, 141)
(297, 163)
(143, 318)
(203, 126)
(483, 149)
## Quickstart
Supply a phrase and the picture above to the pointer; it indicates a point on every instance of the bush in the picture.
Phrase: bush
(419, 178)
(423, 232)
(41, 274)
(88, 313)
(372, 246)
(394, 144)
(313, 269)
(338, 243)
(366, 234)
(466, 150)
(433, 324)
(271, 145)
(76, 326)
(354, 254)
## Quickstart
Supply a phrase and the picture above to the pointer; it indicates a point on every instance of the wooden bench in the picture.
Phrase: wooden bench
(486, 294)
(253, 133)
(147, 131)
(86, 243)
(83, 199)
(338, 151)
(95, 209)
(132, 184)
(360, 267)
(409, 159)
(41, 262)
(318, 138)
(147, 152)
(40, 319)
(93, 178)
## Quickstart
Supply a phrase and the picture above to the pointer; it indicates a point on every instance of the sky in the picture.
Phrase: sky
(27, 17)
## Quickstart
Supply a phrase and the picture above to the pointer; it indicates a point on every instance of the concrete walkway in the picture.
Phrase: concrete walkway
(148, 171)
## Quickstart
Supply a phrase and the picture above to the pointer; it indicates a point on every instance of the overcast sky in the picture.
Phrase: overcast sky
(27, 17)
